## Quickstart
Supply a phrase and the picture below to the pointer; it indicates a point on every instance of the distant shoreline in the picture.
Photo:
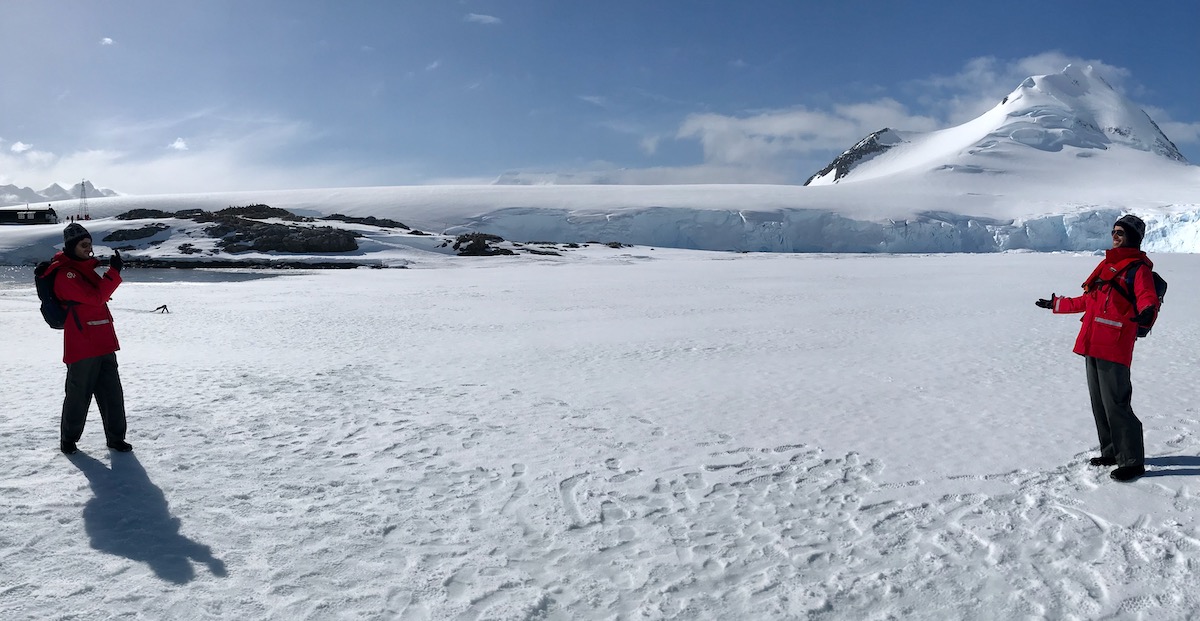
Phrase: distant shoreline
(261, 264)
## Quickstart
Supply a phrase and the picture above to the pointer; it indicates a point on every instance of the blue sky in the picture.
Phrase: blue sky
(146, 96)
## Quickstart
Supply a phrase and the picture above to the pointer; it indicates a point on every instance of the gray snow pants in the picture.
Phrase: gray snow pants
(1118, 427)
(93, 377)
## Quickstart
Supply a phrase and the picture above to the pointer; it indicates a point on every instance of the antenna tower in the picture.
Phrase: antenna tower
(83, 208)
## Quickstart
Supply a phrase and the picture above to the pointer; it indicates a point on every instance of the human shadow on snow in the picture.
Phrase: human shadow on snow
(129, 516)
(1173, 466)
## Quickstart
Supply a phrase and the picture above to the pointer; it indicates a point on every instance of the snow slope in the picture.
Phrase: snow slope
(619, 433)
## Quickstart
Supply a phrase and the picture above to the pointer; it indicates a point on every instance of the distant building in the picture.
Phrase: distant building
(28, 215)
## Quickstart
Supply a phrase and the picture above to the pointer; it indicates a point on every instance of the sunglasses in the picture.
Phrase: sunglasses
(1118, 233)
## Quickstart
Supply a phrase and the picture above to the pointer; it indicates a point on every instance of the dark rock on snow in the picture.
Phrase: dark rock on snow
(150, 230)
(479, 245)
(369, 220)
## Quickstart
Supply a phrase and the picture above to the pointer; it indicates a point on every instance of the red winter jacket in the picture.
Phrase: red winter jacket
(89, 330)
(1108, 330)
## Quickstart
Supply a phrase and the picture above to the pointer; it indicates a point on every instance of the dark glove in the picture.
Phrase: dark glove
(1044, 303)
(1143, 318)
(115, 263)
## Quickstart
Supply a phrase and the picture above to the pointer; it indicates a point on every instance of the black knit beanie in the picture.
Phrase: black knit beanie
(72, 235)
(1135, 229)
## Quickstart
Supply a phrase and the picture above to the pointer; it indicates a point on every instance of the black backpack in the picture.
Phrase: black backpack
(54, 310)
(1126, 291)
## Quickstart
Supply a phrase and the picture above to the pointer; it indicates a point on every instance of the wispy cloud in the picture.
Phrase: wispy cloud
(433, 65)
(759, 139)
(595, 100)
(20, 147)
(106, 41)
(1179, 133)
(242, 152)
(476, 18)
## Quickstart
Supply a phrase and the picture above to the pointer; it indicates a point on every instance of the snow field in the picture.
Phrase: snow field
(644, 434)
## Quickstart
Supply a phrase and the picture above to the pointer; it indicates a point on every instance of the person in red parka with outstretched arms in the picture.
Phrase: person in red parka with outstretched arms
(1106, 339)
(89, 341)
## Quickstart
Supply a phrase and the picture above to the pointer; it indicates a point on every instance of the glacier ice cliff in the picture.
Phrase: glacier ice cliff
(802, 230)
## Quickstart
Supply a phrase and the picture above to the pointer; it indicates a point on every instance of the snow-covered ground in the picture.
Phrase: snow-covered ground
(613, 434)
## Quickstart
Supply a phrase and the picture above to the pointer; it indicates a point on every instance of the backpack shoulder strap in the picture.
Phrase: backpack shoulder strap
(1125, 277)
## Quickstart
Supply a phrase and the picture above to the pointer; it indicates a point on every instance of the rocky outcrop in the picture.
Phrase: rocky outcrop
(238, 230)
(369, 220)
(872, 145)
(241, 235)
(260, 212)
(146, 214)
(479, 245)
(150, 230)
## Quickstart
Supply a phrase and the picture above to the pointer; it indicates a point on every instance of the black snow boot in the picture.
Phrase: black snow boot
(1102, 461)
(120, 446)
(67, 447)
(1127, 473)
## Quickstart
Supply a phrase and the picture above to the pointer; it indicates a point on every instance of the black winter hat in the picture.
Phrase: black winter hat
(73, 234)
(1134, 228)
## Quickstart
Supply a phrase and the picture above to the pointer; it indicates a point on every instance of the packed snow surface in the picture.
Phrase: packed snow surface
(610, 434)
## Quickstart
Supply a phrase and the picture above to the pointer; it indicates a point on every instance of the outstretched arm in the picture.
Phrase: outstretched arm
(1066, 306)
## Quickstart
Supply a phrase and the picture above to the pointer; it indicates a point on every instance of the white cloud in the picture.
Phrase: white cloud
(482, 19)
(106, 41)
(1181, 133)
(179, 145)
(595, 100)
(767, 136)
(433, 65)
(649, 144)
(39, 158)
(20, 147)
(704, 173)
(1177, 131)
(211, 170)
(240, 153)
(608, 173)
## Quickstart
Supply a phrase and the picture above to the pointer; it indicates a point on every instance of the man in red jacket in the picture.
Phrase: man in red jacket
(89, 341)
(1106, 339)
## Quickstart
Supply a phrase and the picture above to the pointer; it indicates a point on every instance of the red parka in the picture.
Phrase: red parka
(1108, 331)
(89, 329)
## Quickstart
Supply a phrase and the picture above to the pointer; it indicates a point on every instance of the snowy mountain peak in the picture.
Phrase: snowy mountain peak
(1073, 115)
(56, 192)
(1078, 99)
(13, 195)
